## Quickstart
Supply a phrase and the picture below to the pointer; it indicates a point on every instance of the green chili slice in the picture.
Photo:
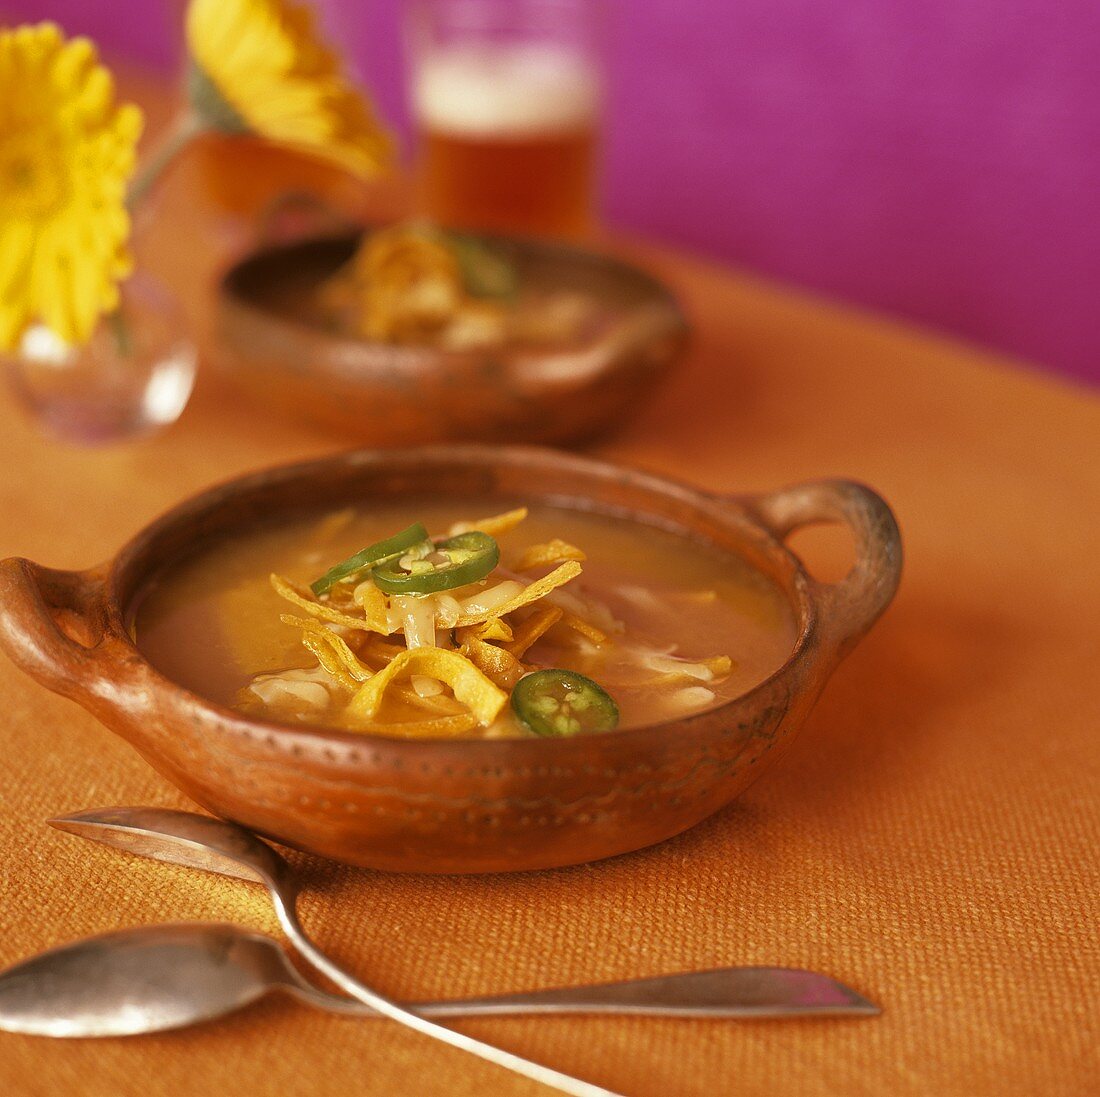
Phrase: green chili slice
(558, 703)
(371, 555)
(463, 559)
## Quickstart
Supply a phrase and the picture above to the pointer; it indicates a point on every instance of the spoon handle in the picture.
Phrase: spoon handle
(564, 1083)
(721, 992)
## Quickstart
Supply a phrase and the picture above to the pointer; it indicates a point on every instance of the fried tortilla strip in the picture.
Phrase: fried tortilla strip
(371, 601)
(494, 662)
(477, 692)
(332, 651)
(380, 650)
(551, 552)
(443, 704)
(328, 660)
(493, 629)
(495, 526)
(338, 597)
(440, 727)
(542, 620)
(585, 628)
(296, 595)
(408, 284)
(538, 589)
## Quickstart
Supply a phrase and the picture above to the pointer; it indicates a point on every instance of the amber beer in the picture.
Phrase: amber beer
(508, 139)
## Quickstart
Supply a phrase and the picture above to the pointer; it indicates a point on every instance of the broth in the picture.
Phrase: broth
(669, 609)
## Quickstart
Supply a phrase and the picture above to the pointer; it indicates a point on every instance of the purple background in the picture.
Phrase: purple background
(939, 159)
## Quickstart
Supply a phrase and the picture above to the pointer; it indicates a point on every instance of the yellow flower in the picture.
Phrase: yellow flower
(259, 66)
(66, 152)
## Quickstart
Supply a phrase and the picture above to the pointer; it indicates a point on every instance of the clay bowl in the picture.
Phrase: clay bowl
(454, 805)
(274, 344)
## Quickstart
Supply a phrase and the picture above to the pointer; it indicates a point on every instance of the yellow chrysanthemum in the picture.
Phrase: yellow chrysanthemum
(259, 66)
(66, 153)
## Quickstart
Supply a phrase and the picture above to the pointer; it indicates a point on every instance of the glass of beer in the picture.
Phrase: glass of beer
(506, 95)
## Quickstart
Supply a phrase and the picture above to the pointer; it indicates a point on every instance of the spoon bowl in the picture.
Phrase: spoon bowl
(133, 981)
(180, 838)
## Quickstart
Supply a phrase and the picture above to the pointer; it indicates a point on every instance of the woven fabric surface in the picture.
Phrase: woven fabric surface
(931, 840)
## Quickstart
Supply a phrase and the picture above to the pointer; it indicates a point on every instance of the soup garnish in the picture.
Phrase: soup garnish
(458, 614)
(477, 631)
(374, 554)
(434, 566)
(562, 702)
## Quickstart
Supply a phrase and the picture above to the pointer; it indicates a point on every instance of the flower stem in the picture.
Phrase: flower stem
(120, 330)
(186, 127)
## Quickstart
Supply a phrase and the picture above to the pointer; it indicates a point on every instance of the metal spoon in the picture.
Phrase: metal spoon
(184, 838)
(153, 978)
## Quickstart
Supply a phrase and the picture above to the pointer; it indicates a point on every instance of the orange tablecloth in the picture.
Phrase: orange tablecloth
(932, 838)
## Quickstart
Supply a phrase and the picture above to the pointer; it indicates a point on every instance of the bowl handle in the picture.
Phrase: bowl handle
(847, 609)
(53, 625)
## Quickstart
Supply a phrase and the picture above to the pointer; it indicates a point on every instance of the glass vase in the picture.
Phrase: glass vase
(133, 377)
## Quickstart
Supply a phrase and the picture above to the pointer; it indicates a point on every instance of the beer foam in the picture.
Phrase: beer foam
(502, 91)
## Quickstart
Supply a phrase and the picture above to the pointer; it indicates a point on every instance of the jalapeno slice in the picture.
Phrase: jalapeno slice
(452, 562)
(559, 703)
(371, 555)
